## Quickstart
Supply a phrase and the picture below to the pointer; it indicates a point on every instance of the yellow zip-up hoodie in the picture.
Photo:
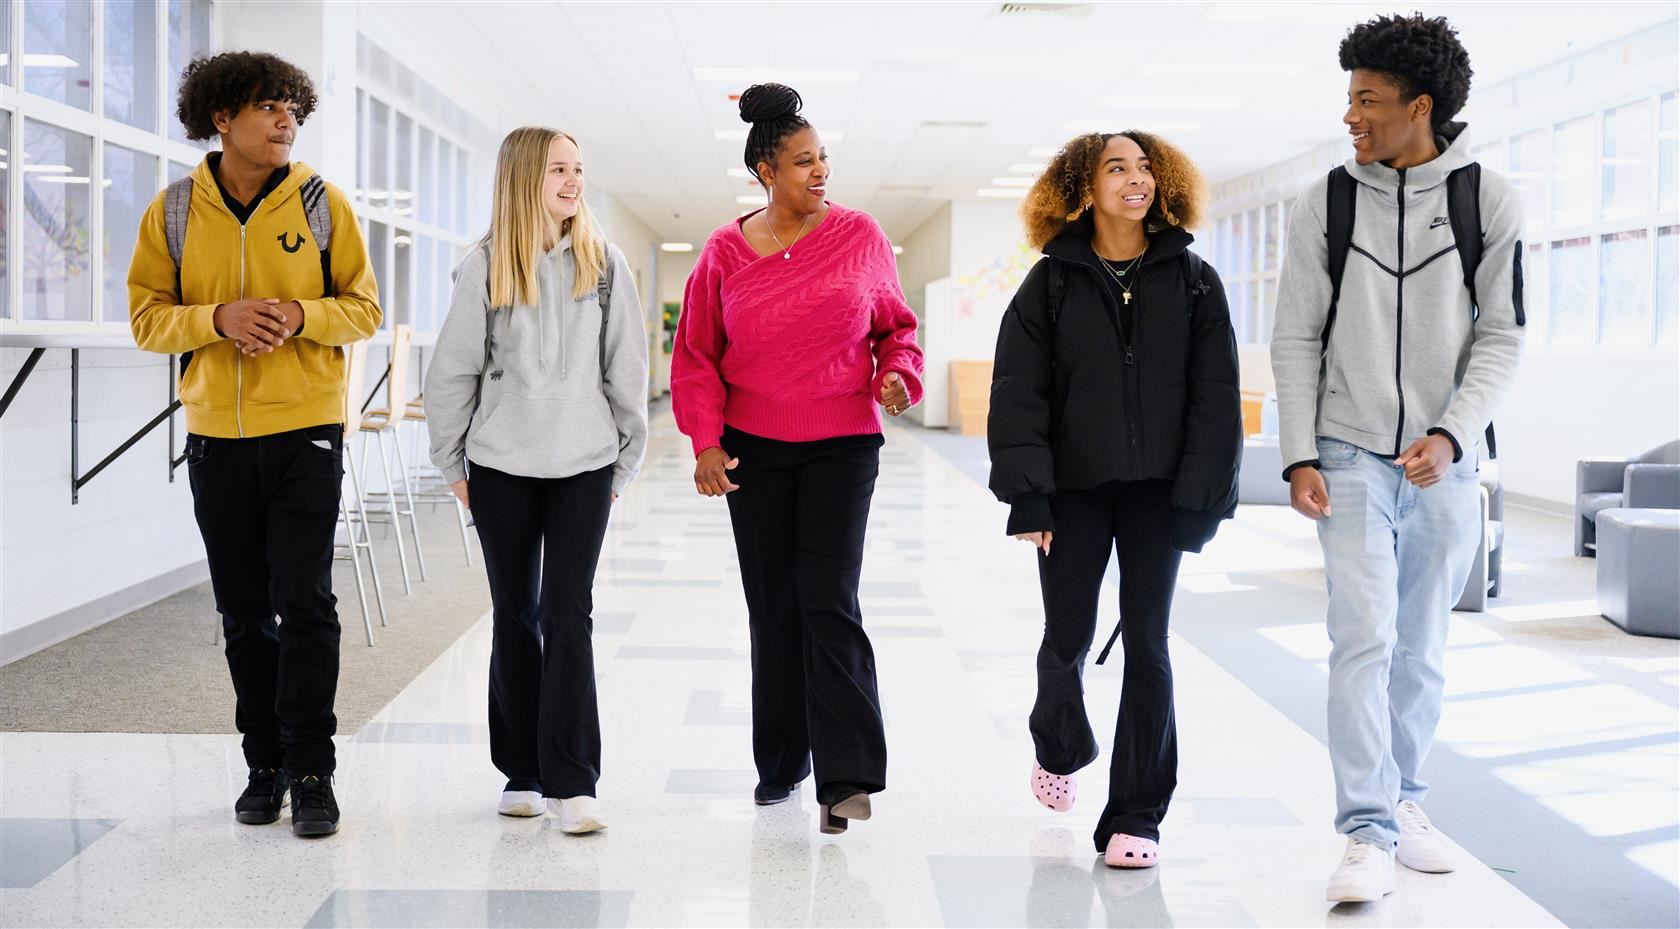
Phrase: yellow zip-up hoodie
(301, 383)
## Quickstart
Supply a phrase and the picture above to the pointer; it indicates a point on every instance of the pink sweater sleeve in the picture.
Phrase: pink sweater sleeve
(892, 325)
(697, 388)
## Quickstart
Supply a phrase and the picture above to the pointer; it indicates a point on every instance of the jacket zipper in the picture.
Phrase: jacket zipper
(1135, 408)
(1400, 316)
(238, 356)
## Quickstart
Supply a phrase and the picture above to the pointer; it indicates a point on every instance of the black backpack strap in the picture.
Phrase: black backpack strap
(1464, 211)
(1057, 283)
(1341, 199)
(1193, 269)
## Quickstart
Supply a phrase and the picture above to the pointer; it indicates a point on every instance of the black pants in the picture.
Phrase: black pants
(267, 508)
(1134, 518)
(799, 522)
(542, 541)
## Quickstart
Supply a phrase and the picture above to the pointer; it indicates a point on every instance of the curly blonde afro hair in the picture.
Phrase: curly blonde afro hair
(1062, 194)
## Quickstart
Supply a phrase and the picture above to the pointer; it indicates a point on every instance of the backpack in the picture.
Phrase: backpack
(177, 203)
(1464, 213)
(603, 296)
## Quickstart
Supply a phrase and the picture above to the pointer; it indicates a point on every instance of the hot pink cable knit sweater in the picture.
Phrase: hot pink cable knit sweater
(793, 349)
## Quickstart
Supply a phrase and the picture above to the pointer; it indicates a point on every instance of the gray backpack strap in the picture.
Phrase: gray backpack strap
(603, 294)
(177, 200)
(318, 215)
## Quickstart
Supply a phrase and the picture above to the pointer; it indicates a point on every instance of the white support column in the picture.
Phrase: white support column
(320, 38)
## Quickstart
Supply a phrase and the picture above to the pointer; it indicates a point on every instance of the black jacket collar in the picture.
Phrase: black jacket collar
(1073, 244)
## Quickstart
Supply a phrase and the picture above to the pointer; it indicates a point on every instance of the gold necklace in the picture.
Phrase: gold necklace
(786, 253)
(1119, 276)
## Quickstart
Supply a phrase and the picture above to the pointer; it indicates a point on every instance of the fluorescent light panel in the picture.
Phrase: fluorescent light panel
(1013, 181)
(676, 246)
(1002, 193)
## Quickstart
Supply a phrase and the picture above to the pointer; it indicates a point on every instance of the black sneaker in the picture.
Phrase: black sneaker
(265, 794)
(768, 794)
(314, 811)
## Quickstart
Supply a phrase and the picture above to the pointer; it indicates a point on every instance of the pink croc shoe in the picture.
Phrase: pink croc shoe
(1130, 851)
(1055, 791)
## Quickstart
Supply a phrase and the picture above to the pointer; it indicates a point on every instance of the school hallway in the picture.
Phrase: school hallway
(135, 828)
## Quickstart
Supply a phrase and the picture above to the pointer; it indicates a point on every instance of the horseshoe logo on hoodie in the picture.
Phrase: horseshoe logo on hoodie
(293, 247)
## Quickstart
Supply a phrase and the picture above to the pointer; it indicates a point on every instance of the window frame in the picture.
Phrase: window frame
(154, 141)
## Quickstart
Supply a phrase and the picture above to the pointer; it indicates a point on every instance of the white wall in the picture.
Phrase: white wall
(132, 527)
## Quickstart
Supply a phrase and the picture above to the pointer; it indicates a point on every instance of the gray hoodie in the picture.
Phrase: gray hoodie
(539, 405)
(1404, 357)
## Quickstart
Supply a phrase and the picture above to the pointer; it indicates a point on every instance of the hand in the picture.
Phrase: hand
(1040, 540)
(894, 396)
(1427, 460)
(1307, 493)
(711, 472)
(459, 488)
(257, 326)
(615, 498)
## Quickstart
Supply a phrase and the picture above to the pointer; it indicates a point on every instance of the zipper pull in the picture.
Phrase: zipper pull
(1128, 354)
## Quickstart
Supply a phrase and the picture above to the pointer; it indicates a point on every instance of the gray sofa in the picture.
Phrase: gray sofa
(1638, 586)
(1649, 481)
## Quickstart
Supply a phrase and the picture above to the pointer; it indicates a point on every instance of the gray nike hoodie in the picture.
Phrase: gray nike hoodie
(536, 401)
(1404, 357)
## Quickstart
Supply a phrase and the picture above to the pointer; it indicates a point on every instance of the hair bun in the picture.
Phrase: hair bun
(764, 102)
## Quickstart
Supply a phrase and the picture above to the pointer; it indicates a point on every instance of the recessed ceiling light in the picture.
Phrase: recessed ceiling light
(1114, 125)
(1202, 103)
(746, 77)
(898, 249)
(1013, 181)
(676, 246)
(1015, 193)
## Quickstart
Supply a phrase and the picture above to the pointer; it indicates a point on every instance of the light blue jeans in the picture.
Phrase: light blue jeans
(1395, 559)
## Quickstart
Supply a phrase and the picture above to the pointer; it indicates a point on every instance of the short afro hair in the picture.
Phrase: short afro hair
(229, 81)
(1062, 194)
(1422, 55)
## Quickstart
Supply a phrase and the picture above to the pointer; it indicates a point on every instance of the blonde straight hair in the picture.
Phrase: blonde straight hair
(521, 229)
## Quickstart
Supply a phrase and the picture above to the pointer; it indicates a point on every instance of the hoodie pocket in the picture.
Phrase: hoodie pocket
(208, 381)
(1368, 408)
(545, 438)
(276, 377)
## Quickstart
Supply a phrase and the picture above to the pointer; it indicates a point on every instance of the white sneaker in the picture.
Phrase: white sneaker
(1421, 847)
(578, 815)
(521, 803)
(1365, 875)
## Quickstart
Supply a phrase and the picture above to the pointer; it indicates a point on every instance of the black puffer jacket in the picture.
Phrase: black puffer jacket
(1074, 405)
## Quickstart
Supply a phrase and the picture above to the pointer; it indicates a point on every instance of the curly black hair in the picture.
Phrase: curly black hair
(1422, 55)
(226, 82)
(773, 110)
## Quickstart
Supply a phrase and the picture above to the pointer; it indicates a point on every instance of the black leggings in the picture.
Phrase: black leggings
(1134, 520)
(542, 540)
(799, 521)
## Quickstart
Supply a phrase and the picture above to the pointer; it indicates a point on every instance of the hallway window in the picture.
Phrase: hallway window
(189, 37)
(1625, 280)
(58, 51)
(57, 169)
(127, 191)
(131, 88)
